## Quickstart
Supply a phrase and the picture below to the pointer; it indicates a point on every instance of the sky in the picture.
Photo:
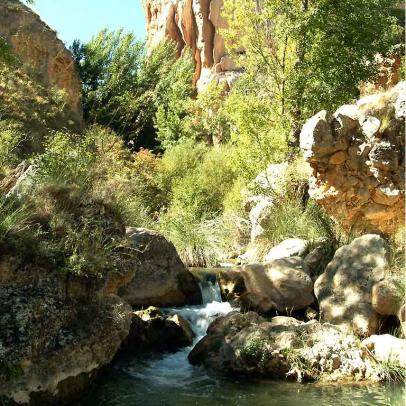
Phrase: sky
(82, 19)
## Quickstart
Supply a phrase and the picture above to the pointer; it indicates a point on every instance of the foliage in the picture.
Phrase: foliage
(75, 223)
(304, 56)
(30, 106)
(173, 93)
(196, 180)
(6, 55)
(122, 86)
(65, 160)
(12, 138)
(258, 137)
(391, 371)
(14, 218)
(206, 118)
(200, 242)
(202, 190)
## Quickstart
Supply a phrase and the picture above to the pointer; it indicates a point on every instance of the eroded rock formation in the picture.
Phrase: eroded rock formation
(358, 159)
(281, 348)
(38, 48)
(345, 290)
(58, 329)
(193, 24)
(160, 279)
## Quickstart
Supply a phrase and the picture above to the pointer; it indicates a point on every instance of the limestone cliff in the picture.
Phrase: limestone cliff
(37, 46)
(358, 159)
(194, 24)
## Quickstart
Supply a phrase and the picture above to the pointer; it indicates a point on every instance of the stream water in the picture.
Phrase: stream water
(169, 380)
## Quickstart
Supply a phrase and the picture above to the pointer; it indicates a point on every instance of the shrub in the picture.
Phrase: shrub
(200, 242)
(66, 160)
(203, 190)
(14, 219)
(12, 139)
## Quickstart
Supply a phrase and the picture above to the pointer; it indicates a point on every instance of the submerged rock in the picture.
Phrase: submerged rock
(160, 278)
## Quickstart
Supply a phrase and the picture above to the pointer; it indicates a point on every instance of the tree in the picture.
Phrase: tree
(305, 55)
(120, 83)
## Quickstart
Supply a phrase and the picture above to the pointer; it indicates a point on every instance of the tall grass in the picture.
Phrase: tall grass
(14, 218)
(199, 242)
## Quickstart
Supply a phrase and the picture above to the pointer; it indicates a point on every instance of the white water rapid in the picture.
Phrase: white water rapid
(174, 369)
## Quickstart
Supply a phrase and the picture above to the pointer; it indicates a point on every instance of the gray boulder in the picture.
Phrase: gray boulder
(344, 290)
(160, 278)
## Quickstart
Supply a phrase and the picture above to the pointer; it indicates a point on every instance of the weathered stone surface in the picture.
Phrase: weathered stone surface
(39, 48)
(402, 319)
(51, 345)
(358, 161)
(289, 248)
(387, 348)
(282, 348)
(317, 259)
(281, 284)
(160, 278)
(231, 284)
(344, 290)
(57, 330)
(151, 330)
(194, 24)
(387, 297)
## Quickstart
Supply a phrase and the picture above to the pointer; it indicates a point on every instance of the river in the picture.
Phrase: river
(169, 380)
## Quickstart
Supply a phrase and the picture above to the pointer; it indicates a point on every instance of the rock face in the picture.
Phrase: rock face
(358, 162)
(282, 348)
(38, 47)
(281, 285)
(55, 333)
(160, 278)
(57, 330)
(344, 290)
(193, 24)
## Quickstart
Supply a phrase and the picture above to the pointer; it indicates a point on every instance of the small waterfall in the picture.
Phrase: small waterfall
(210, 291)
(200, 317)
(174, 369)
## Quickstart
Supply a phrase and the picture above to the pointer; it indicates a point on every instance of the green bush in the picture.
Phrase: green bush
(14, 219)
(203, 190)
(12, 139)
(200, 242)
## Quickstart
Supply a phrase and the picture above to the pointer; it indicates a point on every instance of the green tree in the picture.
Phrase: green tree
(120, 83)
(305, 55)
(173, 93)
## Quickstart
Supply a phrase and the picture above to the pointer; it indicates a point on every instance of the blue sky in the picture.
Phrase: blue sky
(84, 18)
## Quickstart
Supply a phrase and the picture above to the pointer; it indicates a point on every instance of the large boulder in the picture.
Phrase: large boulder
(151, 330)
(282, 348)
(282, 285)
(358, 161)
(160, 278)
(344, 290)
(291, 247)
(387, 297)
(51, 345)
(387, 349)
